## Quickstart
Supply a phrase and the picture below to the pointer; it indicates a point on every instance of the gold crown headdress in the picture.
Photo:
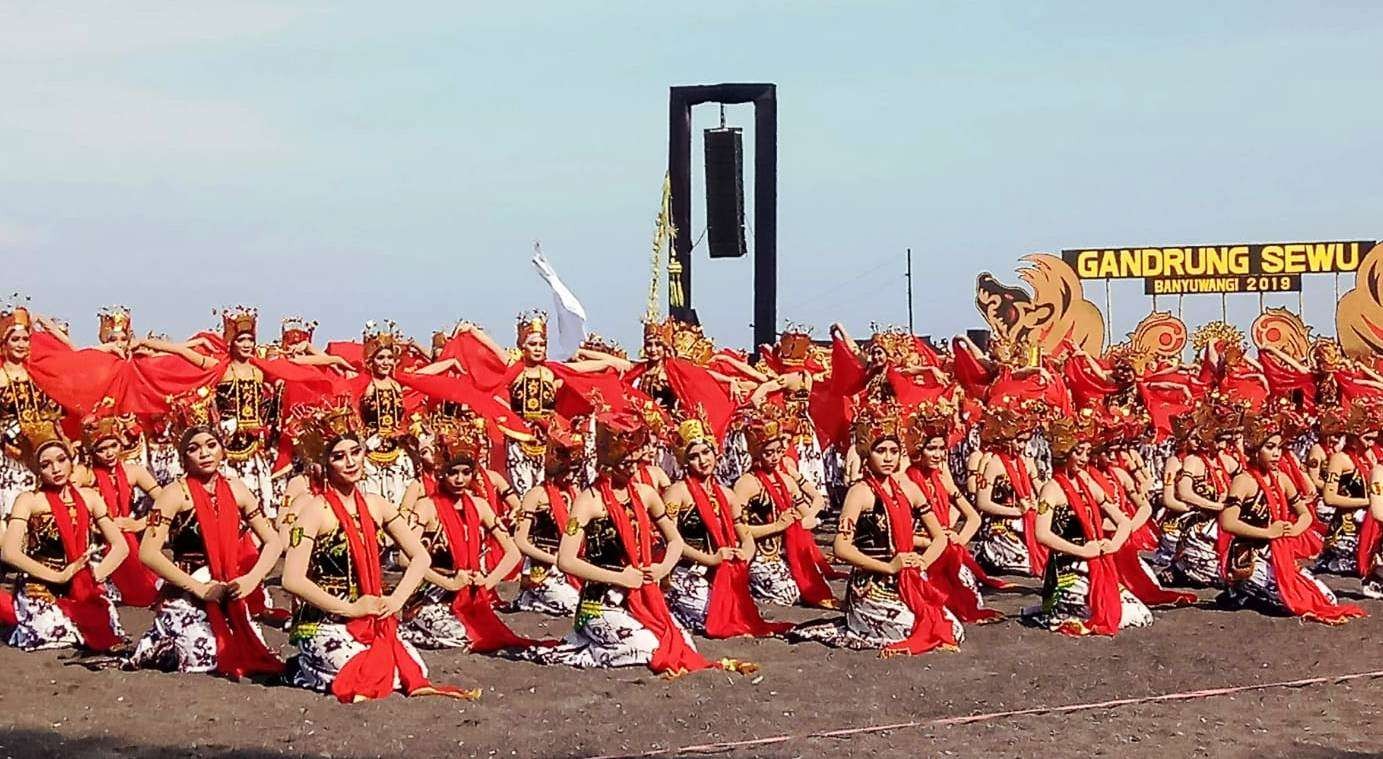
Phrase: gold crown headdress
(617, 437)
(34, 438)
(14, 313)
(294, 330)
(1010, 418)
(529, 323)
(113, 319)
(602, 344)
(314, 428)
(1326, 354)
(897, 343)
(565, 446)
(1261, 426)
(1213, 417)
(1064, 434)
(930, 420)
(1227, 338)
(103, 423)
(794, 344)
(693, 430)
(1360, 417)
(238, 320)
(658, 330)
(1127, 424)
(689, 341)
(875, 422)
(377, 337)
(764, 424)
(192, 410)
(460, 438)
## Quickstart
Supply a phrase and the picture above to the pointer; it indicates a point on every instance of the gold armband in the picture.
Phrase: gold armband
(295, 537)
(1376, 488)
(1043, 507)
(572, 527)
(154, 519)
(1333, 477)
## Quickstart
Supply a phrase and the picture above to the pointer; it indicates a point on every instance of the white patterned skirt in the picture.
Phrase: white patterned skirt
(1260, 589)
(388, 481)
(1195, 560)
(15, 478)
(545, 589)
(434, 626)
(43, 625)
(324, 648)
(180, 640)
(257, 472)
(688, 594)
(1001, 548)
(525, 471)
(770, 580)
(1067, 605)
(811, 463)
(605, 635)
(875, 617)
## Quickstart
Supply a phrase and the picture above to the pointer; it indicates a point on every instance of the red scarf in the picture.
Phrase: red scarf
(84, 603)
(493, 550)
(730, 611)
(239, 649)
(473, 605)
(138, 585)
(561, 514)
(808, 567)
(1132, 573)
(371, 672)
(429, 482)
(1301, 596)
(945, 571)
(1311, 542)
(1021, 480)
(930, 627)
(1106, 608)
(646, 603)
(1215, 470)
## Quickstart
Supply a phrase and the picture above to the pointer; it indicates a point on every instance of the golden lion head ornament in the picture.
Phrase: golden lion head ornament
(1359, 314)
(1054, 312)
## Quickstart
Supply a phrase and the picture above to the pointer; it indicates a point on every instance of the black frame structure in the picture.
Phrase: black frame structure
(765, 100)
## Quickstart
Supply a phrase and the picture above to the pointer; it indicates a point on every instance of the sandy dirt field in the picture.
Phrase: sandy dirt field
(54, 708)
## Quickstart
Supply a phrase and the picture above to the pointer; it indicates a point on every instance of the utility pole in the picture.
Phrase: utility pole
(911, 331)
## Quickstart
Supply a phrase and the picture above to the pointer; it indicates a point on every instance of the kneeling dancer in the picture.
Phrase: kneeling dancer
(890, 604)
(346, 628)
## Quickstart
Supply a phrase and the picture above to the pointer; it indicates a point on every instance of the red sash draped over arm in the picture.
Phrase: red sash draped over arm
(84, 603)
(1106, 607)
(473, 605)
(646, 603)
(730, 610)
(945, 572)
(1302, 597)
(370, 674)
(809, 568)
(930, 627)
(137, 584)
(239, 649)
(1021, 480)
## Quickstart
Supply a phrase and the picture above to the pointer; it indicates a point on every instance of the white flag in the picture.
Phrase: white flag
(571, 315)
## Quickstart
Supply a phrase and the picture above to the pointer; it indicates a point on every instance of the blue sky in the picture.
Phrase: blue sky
(348, 163)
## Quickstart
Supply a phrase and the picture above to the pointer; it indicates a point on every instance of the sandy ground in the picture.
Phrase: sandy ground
(54, 708)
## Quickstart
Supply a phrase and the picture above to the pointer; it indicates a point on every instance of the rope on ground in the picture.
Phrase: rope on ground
(712, 748)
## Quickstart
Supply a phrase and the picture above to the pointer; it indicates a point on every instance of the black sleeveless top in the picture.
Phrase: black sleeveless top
(1253, 512)
(759, 511)
(874, 538)
(1066, 526)
(693, 530)
(545, 533)
(603, 549)
(44, 545)
(332, 568)
(250, 403)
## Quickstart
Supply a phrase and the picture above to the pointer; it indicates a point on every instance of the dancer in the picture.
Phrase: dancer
(106, 437)
(1082, 593)
(546, 510)
(787, 567)
(890, 605)
(455, 608)
(22, 403)
(1006, 493)
(1346, 488)
(203, 622)
(623, 619)
(49, 539)
(346, 628)
(708, 591)
(1267, 521)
